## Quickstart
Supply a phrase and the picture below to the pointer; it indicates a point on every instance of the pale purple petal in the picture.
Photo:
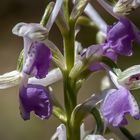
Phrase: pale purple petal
(117, 104)
(101, 50)
(120, 37)
(34, 98)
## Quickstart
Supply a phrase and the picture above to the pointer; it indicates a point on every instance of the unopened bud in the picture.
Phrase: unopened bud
(124, 7)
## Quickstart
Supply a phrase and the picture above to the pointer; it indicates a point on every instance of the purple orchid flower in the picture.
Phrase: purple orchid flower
(118, 42)
(38, 60)
(37, 57)
(101, 50)
(35, 98)
(117, 104)
(120, 37)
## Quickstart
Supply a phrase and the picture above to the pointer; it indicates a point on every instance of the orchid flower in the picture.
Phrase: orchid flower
(36, 63)
(117, 103)
(37, 57)
(118, 42)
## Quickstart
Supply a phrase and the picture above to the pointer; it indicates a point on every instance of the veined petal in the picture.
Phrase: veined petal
(118, 103)
(120, 36)
(10, 79)
(34, 98)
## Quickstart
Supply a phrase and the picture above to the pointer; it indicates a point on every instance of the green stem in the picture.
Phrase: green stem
(73, 133)
(69, 46)
(70, 103)
(66, 9)
(70, 84)
(127, 133)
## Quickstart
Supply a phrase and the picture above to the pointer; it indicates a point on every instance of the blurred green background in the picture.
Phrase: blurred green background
(12, 127)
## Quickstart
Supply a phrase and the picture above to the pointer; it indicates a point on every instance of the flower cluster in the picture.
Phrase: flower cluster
(75, 65)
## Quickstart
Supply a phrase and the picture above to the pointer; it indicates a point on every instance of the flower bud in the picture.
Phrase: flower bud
(124, 7)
